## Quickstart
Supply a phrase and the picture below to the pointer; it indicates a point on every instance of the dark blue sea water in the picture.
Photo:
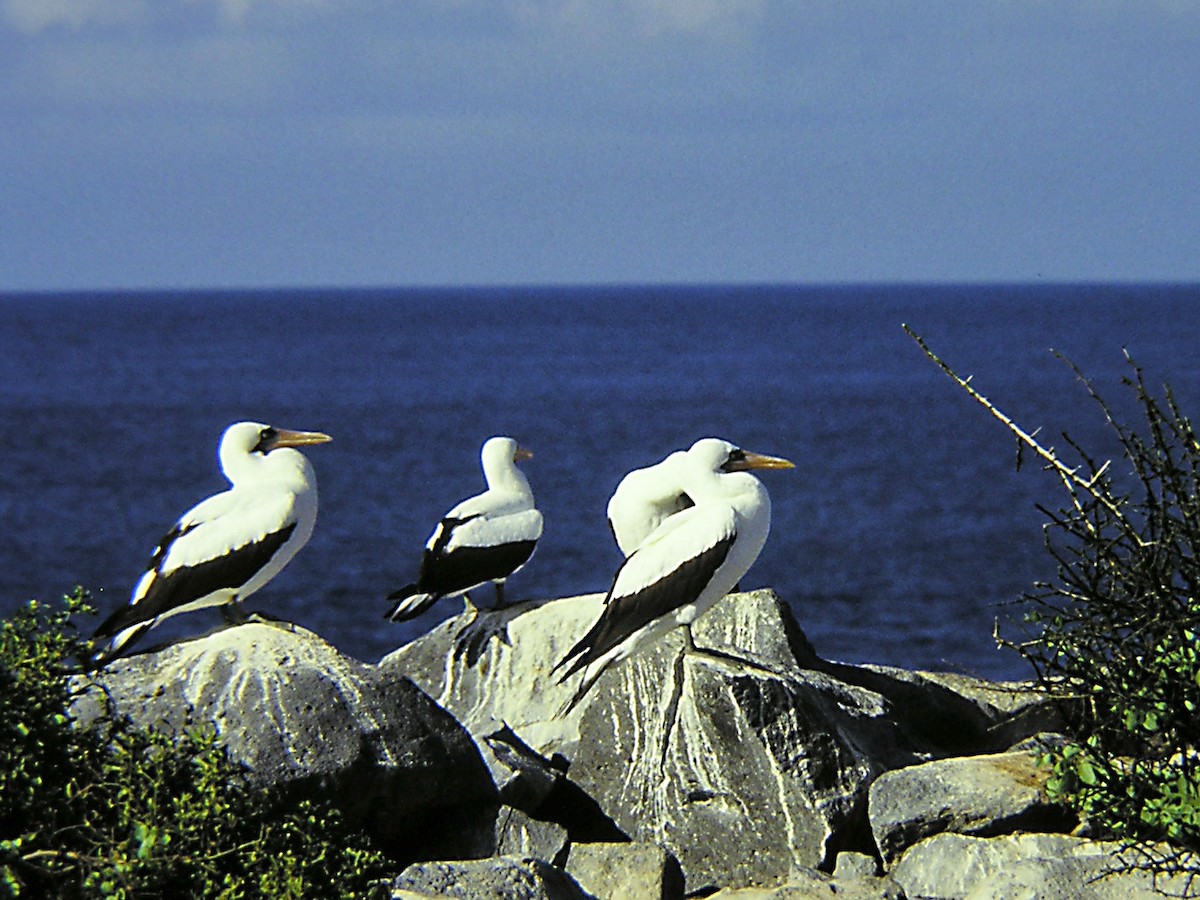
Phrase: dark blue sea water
(898, 538)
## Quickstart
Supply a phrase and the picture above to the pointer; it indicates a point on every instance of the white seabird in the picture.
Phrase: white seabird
(227, 547)
(644, 499)
(484, 538)
(687, 564)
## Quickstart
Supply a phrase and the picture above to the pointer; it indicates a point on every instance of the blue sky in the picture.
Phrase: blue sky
(228, 143)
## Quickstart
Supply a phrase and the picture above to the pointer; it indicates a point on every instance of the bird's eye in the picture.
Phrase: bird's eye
(736, 457)
(266, 437)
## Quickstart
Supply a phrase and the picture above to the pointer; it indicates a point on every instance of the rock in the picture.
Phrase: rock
(303, 718)
(979, 795)
(809, 884)
(851, 865)
(517, 834)
(496, 878)
(626, 871)
(957, 714)
(746, 760)
(523, 777)
(1025, 867)
(748, 770)
(742, 775)
(503, 677)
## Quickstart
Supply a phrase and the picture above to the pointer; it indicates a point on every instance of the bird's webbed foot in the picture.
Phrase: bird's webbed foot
(234, 613)
(237, 614)
(690, 647)
(472, 639)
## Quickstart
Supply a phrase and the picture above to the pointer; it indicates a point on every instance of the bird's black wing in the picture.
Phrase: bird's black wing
(186, 584)
(623, 615)
(445, 531)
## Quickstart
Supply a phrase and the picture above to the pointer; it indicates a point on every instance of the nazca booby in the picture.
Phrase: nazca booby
(484, 538)
(225, 548)
(685, 565)
(644, 499)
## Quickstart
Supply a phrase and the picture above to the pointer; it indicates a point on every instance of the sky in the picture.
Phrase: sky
(281, 143)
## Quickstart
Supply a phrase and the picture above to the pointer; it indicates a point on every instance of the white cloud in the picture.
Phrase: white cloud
(33, 16)
(604, 19)
(237, 11)
(656, 17)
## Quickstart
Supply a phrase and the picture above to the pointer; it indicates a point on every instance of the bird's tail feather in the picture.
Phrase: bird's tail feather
(585, 684)
(577, 659)
(410, 603)
(579, 655)
(118, 645)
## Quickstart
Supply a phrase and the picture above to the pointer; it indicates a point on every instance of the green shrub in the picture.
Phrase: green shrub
(1114, 633)
(113, 811)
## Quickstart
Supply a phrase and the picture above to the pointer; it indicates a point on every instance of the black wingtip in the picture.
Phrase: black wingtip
(585, 686)
(575, 659)
(409, 602)
(108, 648)
(96, 660)
(407, 591)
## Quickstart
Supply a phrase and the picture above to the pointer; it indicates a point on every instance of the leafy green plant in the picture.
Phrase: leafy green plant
(113, 811)
(1114, 633)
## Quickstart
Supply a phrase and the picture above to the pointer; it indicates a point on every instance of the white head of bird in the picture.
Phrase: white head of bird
(715, 466)
(644, 499)
(500, 456)
(264, 453)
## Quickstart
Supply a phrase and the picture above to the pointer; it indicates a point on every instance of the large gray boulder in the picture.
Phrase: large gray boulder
(983, 795)
(628, 871)
(496, 878)
(746, 758)
(1018, 867)
(303, 718)
(491, 670)
(743, 775)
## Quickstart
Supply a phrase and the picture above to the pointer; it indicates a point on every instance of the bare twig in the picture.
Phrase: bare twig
(1070, 476)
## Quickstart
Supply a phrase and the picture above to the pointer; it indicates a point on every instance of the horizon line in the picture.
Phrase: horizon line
(547, 286)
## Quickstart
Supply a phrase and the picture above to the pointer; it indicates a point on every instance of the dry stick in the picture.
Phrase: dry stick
(1066, 473)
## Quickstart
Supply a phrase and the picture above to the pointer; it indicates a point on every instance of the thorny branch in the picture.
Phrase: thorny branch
(1116, 632)
(1071, 478)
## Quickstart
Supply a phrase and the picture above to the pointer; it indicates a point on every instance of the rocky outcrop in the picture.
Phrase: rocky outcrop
(741, 766)
(629, 871)
(491, 670)
(746, 757)
(302, 717)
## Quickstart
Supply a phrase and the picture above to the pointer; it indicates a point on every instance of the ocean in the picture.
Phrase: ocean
(903, 534)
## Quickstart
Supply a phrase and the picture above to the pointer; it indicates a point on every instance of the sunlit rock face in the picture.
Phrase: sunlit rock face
(745, 755)
(739, 757)
(990, 794)
(302, 717)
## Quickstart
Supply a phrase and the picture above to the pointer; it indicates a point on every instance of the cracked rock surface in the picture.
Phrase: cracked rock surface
(746, 756)
(303, 717)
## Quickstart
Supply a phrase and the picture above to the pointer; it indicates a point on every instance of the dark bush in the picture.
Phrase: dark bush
(1114, 633)
(113, 811)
